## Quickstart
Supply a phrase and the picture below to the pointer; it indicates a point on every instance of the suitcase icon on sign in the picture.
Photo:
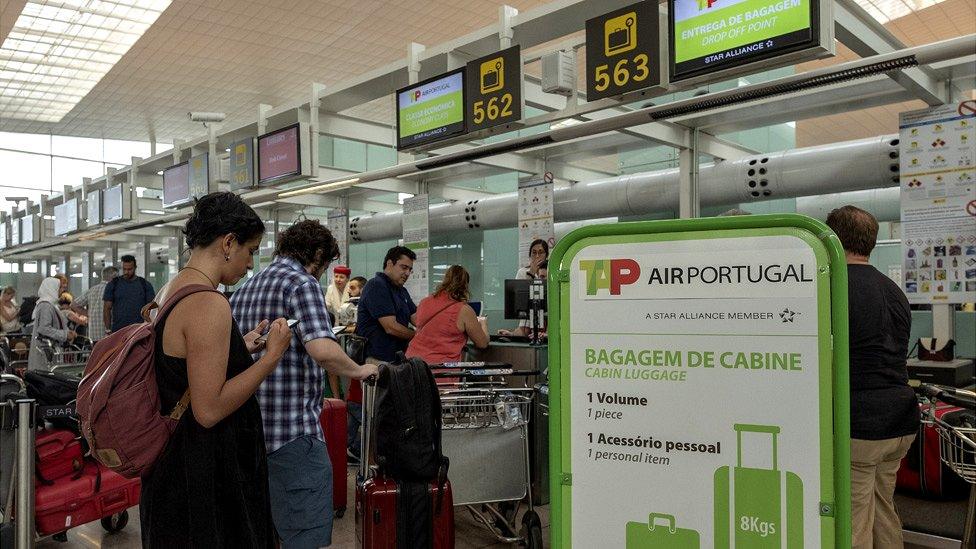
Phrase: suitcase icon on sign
(492, 75)
(659, 532)
(757, 507)
(620, 34)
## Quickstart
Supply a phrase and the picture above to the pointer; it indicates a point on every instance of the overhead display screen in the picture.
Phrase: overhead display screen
(112, 204)
(94, 203)
(3, 235)
(15, 231)
(28, 229)
(66, 217)
(176, 185)
(279, 155)
(431, 110)
(713, 35)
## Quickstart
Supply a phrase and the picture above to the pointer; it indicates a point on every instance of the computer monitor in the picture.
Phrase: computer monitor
(476, 305)
(517, 299)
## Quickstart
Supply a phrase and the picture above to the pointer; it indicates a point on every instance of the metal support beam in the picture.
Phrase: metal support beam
(689, 197)
(414, 50)
(866, 36)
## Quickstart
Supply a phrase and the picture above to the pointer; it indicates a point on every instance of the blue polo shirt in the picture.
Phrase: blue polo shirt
(380, 297)
(128, 297)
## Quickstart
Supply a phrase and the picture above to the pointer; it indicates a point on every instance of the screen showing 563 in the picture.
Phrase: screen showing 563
(711, 35)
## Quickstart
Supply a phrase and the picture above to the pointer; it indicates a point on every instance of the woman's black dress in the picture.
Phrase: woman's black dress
(210, 487)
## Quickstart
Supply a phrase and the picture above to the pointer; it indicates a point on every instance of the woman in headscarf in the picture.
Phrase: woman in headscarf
(48, 323)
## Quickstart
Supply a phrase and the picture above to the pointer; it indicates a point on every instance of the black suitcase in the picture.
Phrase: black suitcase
(55, 395)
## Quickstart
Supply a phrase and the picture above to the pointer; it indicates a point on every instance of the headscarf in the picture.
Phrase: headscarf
(47, 293)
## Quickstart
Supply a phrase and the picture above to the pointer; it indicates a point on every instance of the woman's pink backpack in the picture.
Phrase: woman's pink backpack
(118, 400)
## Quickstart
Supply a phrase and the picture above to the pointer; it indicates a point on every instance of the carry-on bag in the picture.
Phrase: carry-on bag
(660, 532)
(333, 421)
(750, 502)
(922, 472)
(58, 454)
(407, 515)
(398, 514)
(69, 502)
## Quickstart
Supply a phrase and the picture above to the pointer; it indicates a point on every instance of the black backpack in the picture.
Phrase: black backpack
(27, 310)
(408, 422)
(55, 395)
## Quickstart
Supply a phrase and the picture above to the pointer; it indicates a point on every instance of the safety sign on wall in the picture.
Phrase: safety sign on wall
(338, 221)
(416, 236)
(535, 213)
(694, 387)
(938, 203)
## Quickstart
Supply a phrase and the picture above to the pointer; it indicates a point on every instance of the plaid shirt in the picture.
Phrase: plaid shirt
(92, 300)
(291, 397)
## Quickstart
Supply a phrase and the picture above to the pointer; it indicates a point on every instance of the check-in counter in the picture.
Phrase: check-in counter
(521, 356)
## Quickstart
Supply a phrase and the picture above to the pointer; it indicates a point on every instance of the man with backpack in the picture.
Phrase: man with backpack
(125, 296)
(299, 469)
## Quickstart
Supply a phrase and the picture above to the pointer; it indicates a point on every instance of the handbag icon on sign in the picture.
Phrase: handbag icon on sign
(492, 75)
(620, 34)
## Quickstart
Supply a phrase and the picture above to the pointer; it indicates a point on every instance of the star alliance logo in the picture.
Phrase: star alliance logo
(787, 315)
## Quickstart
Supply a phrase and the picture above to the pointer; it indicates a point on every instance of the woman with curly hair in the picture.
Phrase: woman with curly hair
(445, 321)
(209, 488)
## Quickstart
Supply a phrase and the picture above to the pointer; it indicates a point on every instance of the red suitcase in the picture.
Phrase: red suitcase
(376, 510)
(99, 492)
(922, 471)
(58, 453)
(333, 420)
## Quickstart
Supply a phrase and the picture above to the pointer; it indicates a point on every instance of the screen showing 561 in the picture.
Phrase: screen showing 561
(431, 110)
(711, 35)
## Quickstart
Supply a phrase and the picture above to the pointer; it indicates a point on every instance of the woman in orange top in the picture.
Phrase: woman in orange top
(445, 321)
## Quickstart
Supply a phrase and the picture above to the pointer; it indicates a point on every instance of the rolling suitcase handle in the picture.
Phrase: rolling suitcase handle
(369, 410)
(749, 428)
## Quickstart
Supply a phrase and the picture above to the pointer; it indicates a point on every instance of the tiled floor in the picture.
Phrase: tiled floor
(470, 535)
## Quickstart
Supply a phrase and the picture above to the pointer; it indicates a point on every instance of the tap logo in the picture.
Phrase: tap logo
(705, 4)
(416, 95)
(609, 274)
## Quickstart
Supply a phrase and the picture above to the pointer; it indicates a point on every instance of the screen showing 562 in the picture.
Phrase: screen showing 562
(711, 35)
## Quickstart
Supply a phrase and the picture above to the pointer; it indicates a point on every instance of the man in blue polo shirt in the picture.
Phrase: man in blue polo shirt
(125, 296)
(385, 308)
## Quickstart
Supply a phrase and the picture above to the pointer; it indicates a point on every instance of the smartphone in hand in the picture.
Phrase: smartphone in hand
(264, 337)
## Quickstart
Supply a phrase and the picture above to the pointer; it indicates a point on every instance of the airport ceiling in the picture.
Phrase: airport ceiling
(231, 55)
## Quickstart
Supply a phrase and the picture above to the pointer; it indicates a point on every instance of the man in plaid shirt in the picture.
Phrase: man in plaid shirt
(299, 470)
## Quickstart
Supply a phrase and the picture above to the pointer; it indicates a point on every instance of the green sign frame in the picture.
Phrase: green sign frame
(834, 396)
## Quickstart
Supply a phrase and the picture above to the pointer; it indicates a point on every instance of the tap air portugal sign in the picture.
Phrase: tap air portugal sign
(695, 387)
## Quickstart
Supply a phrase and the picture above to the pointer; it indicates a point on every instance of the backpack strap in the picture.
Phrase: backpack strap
(164, 310)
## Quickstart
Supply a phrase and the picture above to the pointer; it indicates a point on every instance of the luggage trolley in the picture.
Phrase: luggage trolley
(957, 442)
(66, 357)
(485, 435)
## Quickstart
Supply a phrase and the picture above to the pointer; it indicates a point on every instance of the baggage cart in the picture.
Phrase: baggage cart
(957, 442)
(485, 435)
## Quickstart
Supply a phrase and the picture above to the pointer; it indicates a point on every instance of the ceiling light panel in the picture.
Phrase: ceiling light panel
(888, 10)
(57, 51)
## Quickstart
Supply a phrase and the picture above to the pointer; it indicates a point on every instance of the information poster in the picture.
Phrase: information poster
(431, 110)
(535, 217)
(416, 236)
(712, 35)
(695, 389)
(338, 222)
(938, 203)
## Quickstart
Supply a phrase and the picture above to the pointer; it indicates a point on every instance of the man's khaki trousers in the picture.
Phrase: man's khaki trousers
(874, 466)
